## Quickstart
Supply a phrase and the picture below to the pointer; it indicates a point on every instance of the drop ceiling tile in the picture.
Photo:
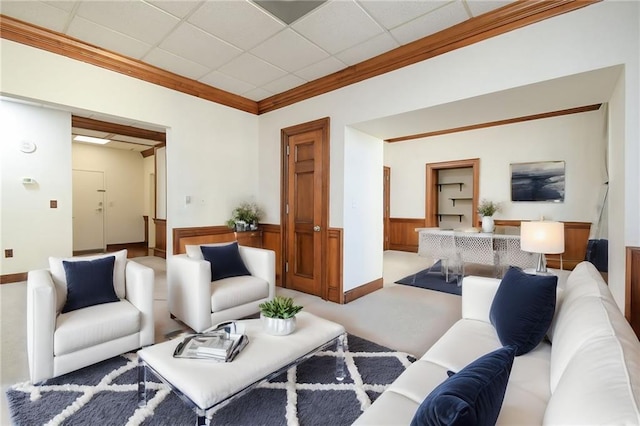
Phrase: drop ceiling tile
(176, 64)
(373, 47)
(320, 69)
(240, 23)
(337, 26)
(87, 132)
(283, 84)
(252, 70)
(393, 13)
(478, 7)
(37, 13)
(437, 20)
(225, 82)
(66, 5)
(136, 19)
(257, 94)
(290, 51)
(96, 34)
(139, 141)
(179, 9)
(198, 46)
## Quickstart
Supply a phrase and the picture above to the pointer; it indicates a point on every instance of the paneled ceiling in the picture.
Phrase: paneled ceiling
(254, 49)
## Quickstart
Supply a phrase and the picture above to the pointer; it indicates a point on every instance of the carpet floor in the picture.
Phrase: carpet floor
(309, 394)
(433, 279)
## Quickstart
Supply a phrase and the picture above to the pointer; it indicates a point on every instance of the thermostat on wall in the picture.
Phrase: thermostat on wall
(27, 147)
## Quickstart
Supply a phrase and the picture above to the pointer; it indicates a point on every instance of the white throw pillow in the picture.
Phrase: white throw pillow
(60, 279)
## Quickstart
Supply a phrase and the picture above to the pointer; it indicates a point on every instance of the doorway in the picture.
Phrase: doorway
(88, 211)
(305, 207)
(433, 187)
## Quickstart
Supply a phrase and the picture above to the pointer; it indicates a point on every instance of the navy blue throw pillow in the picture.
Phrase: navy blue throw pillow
(523, 308)
(225, 261)
(473, 396)
(89, 283)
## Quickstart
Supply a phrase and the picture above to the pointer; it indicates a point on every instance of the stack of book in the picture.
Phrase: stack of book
(221, 344)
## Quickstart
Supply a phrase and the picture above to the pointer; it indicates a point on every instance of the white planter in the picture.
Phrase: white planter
(487, 224)
(278, 326)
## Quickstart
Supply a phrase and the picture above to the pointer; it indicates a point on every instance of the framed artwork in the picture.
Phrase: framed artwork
(540, 181)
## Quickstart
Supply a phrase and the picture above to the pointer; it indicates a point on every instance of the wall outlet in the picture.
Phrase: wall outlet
(8, 253)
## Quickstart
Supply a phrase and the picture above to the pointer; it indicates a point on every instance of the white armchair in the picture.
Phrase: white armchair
(200, 303)
(58, 343)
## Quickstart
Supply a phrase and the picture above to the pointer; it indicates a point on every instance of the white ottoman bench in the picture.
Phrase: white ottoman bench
(206, 384)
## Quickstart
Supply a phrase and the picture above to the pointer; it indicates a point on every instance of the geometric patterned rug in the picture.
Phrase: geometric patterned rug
(308, 394)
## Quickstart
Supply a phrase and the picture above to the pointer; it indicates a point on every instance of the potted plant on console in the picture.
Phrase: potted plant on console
(487, 209)
(245, 217)
(278, 315)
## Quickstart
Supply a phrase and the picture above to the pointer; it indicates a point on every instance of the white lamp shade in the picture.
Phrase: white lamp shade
(542, 237)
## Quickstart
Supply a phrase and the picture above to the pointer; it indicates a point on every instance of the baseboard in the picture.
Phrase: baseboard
(363, 290)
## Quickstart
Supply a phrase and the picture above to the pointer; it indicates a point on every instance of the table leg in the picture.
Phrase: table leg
(342, 346)
(142, 384)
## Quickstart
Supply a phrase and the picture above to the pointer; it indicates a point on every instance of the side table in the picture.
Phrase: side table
(249, 238)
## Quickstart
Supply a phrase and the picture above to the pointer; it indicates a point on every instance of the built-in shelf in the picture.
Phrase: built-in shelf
(453, 200)
(450, 214)
(440, 185)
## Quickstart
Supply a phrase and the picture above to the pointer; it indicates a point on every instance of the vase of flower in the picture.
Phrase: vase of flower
(488, 225)
(486, 209)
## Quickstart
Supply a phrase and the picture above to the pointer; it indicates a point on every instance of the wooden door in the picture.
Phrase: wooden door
(305, 208)
(386, 205)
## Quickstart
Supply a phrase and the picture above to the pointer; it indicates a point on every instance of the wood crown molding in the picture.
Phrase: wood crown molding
(41, 38)
(576, 110)
(120, 129)
(510, 17)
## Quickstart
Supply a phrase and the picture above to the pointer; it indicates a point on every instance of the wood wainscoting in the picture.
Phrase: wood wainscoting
(403, 235)
(160, 249)
(632, 289)
(272, 240)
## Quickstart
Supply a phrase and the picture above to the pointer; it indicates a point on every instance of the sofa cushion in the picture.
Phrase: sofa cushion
(60, 280)
(235, 291)
(93, 325)
(194, 251)
(225, 261)
(89, 283)
(523, 308)
(472, 396)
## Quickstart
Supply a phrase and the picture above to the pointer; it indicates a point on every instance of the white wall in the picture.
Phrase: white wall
(363, 209)
(124, 183)
(598, 36)
(578, 139)
(211, 149)
(28, 225)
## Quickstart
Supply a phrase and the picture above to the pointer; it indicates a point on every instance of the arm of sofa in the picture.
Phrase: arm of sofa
(261, 263)
(139, 282)
(189, 282)
(477, 296)
(41, 323)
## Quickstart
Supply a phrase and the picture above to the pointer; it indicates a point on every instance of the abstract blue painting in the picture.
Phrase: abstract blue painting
(540, 181)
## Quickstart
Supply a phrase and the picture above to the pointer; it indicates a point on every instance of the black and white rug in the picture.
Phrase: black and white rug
(309, 394)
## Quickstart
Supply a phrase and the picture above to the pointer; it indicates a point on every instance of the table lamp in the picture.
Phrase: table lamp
(542, 237)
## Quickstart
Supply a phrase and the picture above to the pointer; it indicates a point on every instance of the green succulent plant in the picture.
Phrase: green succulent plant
(279, 307)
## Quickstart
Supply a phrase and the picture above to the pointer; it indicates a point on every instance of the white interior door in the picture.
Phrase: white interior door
(88, 210)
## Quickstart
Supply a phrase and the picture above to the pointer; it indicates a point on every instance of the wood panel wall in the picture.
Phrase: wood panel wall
(160, 249)
(403, 235)
(632, 289)
(272, 240)
(576, 237)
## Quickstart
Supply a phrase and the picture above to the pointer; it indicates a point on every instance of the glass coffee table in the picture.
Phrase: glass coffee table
(205, 385)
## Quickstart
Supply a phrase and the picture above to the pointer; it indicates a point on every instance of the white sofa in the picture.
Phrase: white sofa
(200, 303)
(58, 343)
(586, 373)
